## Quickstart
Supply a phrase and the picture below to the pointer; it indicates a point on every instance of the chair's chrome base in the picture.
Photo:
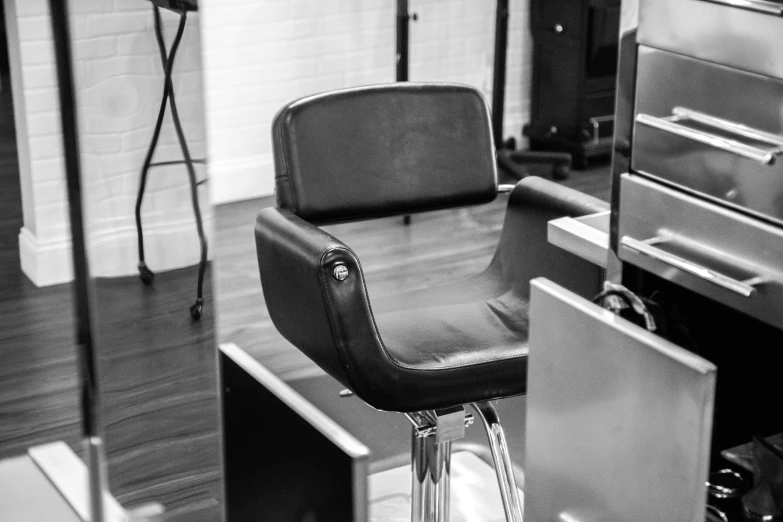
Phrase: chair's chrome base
(432, 435)
(430, 481)
(500, 455)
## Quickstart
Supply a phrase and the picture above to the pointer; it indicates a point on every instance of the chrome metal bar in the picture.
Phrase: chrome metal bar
(425, 423)
(503, 188)
(763, 156)
(730, 126)
(96, 476)
(729, 283)
(430, 479)
(595, 122)
(762, 6)
(503, 467)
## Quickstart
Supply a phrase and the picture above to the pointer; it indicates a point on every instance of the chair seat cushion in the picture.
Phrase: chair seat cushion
(454, 344)
(453, 335)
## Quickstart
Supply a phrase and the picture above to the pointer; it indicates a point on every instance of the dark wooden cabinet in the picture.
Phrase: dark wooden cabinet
(574, 71)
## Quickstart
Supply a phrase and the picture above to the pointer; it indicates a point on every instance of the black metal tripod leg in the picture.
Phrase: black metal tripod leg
(197, 308)
(145, 273)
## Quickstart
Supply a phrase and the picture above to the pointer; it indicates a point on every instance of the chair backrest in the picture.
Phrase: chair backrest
(383, 150)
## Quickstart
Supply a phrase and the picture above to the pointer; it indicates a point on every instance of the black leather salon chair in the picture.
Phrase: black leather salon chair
(392, 150)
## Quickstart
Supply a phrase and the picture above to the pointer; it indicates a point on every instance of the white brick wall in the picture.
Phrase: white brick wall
(258, 55)
(119, 84)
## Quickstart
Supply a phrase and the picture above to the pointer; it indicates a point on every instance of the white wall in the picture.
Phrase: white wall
(258, 55)
(119, 81)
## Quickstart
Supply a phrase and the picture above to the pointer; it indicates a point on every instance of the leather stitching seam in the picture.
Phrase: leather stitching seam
(285, 176)
(332, 321)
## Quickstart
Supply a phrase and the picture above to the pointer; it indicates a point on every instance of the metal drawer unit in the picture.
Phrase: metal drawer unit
(702, 206)
(719, 134)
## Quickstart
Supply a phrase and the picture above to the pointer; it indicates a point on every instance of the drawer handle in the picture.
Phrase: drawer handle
(762, 6)
(672, 124)
(744, 288)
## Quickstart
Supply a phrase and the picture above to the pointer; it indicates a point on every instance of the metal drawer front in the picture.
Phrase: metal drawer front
(738, 33)
(618, 419)
(711, 129)
(711, 250)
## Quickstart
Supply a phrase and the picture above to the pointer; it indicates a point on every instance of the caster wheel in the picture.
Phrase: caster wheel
(561, 172)
(406, 220)
(146, 274)
(196, 309)
(510, 143)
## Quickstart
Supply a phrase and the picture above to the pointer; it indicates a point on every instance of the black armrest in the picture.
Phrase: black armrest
(524, 251)
(313, 309)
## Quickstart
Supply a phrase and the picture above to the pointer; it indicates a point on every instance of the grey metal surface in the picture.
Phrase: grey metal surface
(737, 36)
(26, 495)
(707, 235)
(586, 237)
(619, 420)
(76, 481)
(727, 167)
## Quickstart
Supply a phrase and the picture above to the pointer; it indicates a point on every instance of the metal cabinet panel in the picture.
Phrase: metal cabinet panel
(618, 419)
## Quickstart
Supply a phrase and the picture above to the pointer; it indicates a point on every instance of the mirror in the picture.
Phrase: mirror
(152, 322)
(148, 220)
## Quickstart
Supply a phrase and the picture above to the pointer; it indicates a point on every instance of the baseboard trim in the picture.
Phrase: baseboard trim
(45, 263)
(113, 253)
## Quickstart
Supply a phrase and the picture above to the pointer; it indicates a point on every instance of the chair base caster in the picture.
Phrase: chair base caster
(145, 274)
(197, 308)
(561, 172)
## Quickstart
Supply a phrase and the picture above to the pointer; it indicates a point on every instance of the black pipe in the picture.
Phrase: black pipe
(82, 294)
(83, 298)
(402, 40)
(499, 71)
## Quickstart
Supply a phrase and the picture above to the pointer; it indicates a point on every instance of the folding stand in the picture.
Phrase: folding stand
(167, 59)
(510, 160)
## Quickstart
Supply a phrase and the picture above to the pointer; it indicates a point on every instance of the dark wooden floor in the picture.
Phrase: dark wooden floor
(159, 388)
(436, 247)
(38, 401)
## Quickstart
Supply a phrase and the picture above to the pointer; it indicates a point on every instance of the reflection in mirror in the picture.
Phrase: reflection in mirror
(143, 150)
(156, 353)
(38, 399)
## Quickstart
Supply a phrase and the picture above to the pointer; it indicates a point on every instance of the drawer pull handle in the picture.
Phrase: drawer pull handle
(762, 6)
(672, 124)
(744, 288)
